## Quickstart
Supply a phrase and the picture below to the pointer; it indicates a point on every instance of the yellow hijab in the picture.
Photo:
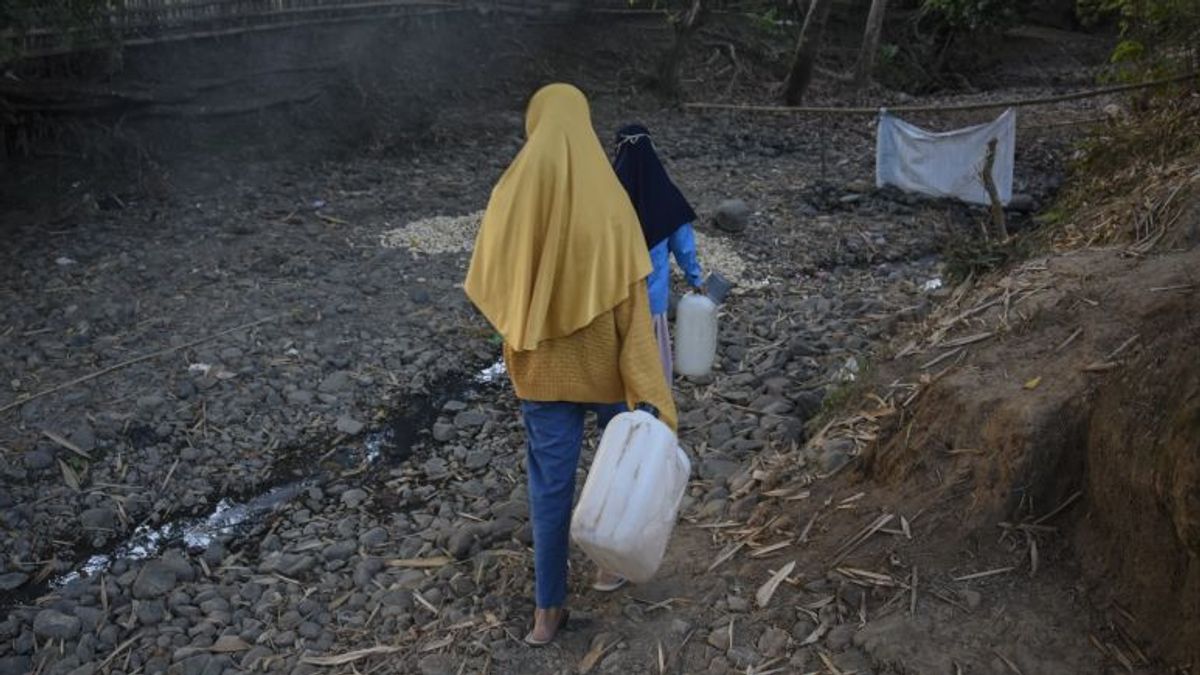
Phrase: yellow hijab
(560, 242)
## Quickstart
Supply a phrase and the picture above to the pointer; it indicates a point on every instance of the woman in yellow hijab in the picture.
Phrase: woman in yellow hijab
(559, 270)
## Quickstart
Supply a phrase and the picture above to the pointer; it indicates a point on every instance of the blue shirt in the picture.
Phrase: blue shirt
(681, 243)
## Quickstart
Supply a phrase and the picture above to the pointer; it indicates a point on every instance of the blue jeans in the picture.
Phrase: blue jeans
(555, 436)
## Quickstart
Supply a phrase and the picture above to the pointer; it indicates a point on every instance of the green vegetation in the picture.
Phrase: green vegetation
(1158, 37)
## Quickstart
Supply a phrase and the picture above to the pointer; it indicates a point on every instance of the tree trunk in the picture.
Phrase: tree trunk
(805, 57)
(870, 44)
(668, 67)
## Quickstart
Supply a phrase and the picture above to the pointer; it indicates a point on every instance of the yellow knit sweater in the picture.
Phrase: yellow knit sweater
(614, 358)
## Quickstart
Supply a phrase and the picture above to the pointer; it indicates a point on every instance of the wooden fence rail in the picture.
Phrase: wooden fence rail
(144, 21)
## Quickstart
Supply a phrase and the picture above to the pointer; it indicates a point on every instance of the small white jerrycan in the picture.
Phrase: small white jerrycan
(695, 335)
(631, 497)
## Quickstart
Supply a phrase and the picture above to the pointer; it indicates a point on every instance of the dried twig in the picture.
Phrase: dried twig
(863, 535)
(349, 657)
(987, 573)
(129, 362)
(1060, 508)
(912, 606)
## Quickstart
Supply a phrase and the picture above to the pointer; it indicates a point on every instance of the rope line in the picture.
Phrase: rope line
(1010, 103)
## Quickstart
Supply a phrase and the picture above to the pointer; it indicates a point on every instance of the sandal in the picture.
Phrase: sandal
(562, 622)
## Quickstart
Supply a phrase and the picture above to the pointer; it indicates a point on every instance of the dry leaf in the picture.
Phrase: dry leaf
(69, 475)
(227, 644)
(1033, 384)
(59, 439)
(768, 589)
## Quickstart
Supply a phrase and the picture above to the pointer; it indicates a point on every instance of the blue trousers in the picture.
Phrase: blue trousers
(555, 436)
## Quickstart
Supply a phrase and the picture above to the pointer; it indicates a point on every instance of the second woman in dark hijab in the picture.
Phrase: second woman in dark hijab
(666, 219)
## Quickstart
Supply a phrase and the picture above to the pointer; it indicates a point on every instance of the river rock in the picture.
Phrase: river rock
(38, 460)
(100, 518)
(459, 544)
(477, 459)
(354, 498)
(839, 637)
(12, 581)
(773, 642)
(436, 664)
(155, 579)
(443, 432)
(339, 551)
(89, 617)
(15, 665)
(150, 612)
(53, 624)
(470, 419)
(348, 425)
(335, 382)
(376, 536)
(733, 215)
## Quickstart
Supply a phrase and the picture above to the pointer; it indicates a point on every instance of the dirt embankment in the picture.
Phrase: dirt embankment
(1061, 401)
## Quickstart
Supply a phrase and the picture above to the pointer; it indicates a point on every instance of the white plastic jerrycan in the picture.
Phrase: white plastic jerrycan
(631, 497)
(695, 335)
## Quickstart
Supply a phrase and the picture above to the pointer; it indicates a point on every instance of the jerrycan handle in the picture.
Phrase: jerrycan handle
(648, 408)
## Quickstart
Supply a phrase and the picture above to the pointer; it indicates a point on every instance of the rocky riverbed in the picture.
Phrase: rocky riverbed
(275, 347)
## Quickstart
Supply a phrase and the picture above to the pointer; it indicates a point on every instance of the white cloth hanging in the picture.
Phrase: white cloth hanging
(945, 164)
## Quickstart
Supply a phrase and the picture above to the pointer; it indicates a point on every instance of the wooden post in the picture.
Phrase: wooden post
(870, 44)
(989, 184)
(805, 56)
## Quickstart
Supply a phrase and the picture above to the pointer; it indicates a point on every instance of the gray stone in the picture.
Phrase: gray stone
(839, 637)
(435, 467)
(733, 215)
(53, 624)
(459, 544)
(773, 642)
(717, 469)
(156, 579)
(742, 657)
(100, 518)
(436, 664)
(300, 397)
(38, 460)
(470, 419)
(366, 570)
(150, 402)
(83, 437)
(254, 656)
(354, 498)
(376, 536)
(12, 581)
(335, 382)
(348, 425)
(339, 550)
(477, 459)
(443, 432)
(90, 617)
(198, 664)
(150, 612)
(15, 665)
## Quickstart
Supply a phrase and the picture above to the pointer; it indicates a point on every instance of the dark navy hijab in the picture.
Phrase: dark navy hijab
(660, 205)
